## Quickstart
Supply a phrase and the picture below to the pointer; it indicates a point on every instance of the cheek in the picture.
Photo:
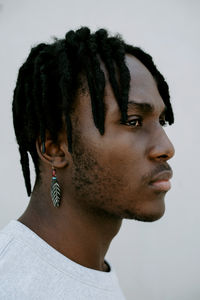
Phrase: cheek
(109, 170)
(111, 181)
(107, 175)
(125, 157)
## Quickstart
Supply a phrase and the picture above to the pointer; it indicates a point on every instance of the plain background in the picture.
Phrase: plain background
(154, 261)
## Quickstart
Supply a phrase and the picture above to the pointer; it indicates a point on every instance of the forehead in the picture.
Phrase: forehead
(143, 88)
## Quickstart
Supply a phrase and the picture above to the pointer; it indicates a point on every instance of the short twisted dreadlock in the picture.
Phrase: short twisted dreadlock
(48, 80)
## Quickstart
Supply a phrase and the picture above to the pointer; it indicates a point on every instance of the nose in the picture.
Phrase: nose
(161, 149)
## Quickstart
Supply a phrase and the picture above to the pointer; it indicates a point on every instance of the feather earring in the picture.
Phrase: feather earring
(55, 189)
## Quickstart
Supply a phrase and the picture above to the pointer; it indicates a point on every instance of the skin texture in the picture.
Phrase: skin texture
(107, 177)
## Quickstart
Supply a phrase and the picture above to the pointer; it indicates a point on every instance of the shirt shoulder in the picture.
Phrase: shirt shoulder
(32, 269)
(5, 241)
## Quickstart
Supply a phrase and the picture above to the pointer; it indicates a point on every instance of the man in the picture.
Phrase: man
(90, 110)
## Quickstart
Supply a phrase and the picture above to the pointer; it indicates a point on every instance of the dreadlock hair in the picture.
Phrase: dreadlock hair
(48, 81)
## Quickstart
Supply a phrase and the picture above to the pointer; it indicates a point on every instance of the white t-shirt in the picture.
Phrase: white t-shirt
(31, 269)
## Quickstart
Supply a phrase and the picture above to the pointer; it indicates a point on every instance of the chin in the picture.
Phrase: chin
(146, 214)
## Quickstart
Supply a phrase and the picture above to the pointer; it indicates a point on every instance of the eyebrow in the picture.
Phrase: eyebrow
(144, 107)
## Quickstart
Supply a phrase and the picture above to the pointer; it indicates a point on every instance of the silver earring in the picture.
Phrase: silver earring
(55, 189)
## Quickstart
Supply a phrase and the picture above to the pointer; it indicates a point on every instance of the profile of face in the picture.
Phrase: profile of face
(119, 173)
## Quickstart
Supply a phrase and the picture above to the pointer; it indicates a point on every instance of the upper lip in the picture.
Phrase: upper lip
(162, 176)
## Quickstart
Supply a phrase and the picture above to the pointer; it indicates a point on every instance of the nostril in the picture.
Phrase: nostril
(163, 156)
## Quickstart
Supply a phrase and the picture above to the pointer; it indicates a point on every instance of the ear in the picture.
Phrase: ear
(55, 154)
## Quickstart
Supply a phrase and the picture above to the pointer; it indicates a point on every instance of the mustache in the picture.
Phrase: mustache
(158, 169)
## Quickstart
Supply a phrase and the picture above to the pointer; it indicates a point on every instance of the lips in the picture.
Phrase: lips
(161, 181)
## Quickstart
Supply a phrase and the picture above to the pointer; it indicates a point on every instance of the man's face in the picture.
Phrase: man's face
(113, 173)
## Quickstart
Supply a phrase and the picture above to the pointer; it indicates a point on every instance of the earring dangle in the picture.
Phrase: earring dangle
(55, 189)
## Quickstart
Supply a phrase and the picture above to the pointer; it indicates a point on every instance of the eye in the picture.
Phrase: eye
(163, 122)
(137, 122)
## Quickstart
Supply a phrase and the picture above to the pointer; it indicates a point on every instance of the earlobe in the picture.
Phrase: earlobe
(52, 153)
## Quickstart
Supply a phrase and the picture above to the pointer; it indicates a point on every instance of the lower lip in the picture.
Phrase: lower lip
(162, 185)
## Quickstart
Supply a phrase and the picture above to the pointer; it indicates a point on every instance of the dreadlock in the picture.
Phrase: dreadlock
(48, 81)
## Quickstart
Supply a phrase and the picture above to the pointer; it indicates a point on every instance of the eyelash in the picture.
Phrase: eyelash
(163, 123)
(134, 120)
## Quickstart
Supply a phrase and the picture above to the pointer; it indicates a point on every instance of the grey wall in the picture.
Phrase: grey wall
(158, 260)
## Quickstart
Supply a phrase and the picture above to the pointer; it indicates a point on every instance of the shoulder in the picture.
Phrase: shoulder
(5, 242)
(9, 247)
(8, 257)
(19, 267)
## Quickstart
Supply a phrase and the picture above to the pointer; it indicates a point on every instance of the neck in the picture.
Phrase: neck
(83, 237)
